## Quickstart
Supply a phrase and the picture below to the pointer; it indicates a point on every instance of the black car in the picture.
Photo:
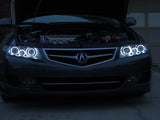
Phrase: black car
(74, 48)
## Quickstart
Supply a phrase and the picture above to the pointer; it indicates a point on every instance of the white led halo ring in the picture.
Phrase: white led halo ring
(127, 47)
(11, 50)
(28, 52)
(143, 51)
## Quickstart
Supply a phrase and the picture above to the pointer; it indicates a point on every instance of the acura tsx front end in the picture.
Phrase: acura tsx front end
(74, 51)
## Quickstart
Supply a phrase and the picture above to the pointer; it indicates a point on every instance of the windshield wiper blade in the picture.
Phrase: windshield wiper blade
(36, 23)
(30, 24)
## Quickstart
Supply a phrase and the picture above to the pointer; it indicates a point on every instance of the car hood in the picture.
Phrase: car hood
(25, 9)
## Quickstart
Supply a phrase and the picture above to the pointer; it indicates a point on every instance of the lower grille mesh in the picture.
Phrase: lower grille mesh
(79, 84)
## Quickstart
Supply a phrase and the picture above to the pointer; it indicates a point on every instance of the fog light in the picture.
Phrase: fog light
(132, 79)
(29, 83)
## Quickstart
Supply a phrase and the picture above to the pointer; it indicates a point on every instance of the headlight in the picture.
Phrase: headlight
(128, 51)
(25, 52)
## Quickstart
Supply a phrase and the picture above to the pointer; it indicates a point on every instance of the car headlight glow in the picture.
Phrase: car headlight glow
(128, 51)
(25, 52)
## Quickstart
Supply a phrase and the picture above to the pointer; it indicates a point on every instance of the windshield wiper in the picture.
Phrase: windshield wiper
(30, 25)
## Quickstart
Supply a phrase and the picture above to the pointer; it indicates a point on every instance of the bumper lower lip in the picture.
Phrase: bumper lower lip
(142, 88)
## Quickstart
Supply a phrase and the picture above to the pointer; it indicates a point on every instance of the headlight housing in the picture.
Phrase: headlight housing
(25, 52)
(132, 50)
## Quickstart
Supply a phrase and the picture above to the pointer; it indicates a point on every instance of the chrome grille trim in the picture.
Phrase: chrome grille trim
(80, 49)
(73, 57)
(62, 56)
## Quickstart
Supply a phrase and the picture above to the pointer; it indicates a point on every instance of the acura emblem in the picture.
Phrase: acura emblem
(82, 57)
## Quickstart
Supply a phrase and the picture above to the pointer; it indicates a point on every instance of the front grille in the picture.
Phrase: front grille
(80, 84)
(81, 57)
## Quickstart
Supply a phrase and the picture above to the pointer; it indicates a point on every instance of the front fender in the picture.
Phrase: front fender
(2, 64)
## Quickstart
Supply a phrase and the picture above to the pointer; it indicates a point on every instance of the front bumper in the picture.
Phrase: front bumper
(20, 70)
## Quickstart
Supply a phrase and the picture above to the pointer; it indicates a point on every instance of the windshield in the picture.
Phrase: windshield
(71, 19)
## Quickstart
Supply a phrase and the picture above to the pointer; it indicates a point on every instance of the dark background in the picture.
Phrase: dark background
(4, 12)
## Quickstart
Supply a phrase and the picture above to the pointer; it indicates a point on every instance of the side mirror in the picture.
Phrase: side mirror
(130, 21)
(5, 22)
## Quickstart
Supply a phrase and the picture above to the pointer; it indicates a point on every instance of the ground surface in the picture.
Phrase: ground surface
(145, 108)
